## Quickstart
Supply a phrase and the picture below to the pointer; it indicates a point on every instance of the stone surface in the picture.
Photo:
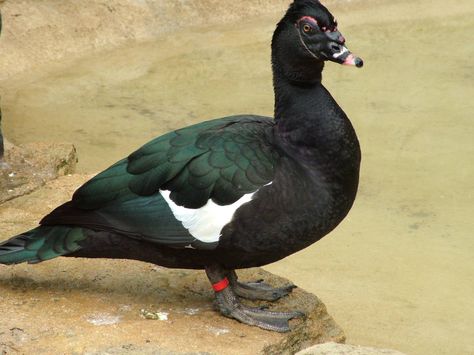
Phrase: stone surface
(345, 349)
(81, 306)
(27, 167)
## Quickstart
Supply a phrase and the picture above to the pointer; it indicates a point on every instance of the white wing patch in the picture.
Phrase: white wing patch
(205, 223)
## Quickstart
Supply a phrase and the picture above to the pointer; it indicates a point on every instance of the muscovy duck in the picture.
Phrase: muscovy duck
(225, 194)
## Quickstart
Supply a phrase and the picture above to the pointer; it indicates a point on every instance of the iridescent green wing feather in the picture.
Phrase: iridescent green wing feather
(220, 160)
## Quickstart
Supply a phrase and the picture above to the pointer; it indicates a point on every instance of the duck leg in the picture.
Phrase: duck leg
(258, 290)
(230, 306)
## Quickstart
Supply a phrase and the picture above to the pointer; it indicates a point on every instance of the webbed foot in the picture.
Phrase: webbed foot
(230, 306)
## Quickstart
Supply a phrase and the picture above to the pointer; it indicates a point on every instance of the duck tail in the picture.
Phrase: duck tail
(40, 244)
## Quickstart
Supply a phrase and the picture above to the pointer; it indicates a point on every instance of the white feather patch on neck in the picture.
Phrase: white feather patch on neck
(205, 223)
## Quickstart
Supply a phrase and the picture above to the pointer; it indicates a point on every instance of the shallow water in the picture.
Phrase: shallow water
(112, 103)
(399, 271)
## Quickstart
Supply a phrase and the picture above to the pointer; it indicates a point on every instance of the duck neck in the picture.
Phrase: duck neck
(291, 91)
(311, 126)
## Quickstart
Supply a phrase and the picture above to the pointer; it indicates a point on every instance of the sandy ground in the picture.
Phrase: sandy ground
(399, 271)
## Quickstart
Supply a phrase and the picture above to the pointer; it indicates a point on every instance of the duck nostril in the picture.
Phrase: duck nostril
(335, 47)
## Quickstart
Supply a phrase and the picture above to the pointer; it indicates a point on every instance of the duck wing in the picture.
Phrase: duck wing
(181, 188)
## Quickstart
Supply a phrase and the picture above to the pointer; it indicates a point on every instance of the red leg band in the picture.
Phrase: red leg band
(221, 285)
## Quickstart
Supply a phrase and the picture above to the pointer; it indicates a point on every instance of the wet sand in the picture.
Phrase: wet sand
(399, 271)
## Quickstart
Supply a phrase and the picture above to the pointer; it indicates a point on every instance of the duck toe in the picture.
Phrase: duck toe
(259, 290)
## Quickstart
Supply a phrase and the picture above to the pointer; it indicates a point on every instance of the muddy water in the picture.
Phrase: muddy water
(399, 272)
(110, 104)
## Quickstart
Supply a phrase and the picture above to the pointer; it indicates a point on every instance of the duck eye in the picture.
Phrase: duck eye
(307, 28)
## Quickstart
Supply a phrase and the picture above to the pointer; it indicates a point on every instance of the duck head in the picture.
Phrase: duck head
(305, 38)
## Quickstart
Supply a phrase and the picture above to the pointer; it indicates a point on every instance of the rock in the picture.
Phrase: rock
(345, 349)
(69, 305)
(27, 167)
